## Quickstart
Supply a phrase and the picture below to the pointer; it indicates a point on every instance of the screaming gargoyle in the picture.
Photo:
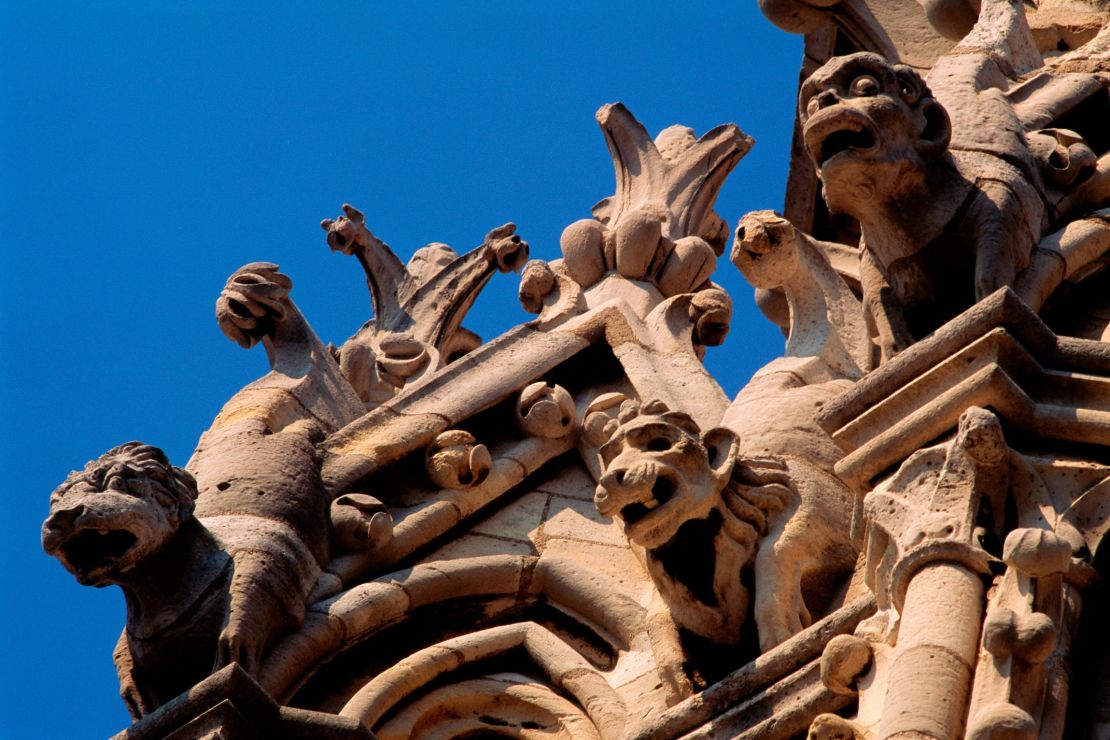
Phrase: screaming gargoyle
(947, 214)
(217, 560)
(696, 512)
(200, 591)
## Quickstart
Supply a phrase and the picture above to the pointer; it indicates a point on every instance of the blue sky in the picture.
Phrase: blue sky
(149, 149)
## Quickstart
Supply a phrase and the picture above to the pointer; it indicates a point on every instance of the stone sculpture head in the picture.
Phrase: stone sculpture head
(866, 123)
(660, 472)
(121, 508)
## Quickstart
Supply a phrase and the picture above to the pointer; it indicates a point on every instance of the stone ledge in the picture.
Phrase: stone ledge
(231, 705)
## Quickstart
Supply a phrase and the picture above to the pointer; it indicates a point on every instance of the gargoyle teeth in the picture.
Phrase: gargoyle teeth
(662, 490)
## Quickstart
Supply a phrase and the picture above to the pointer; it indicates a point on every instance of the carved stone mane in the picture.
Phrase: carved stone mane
(127, 519)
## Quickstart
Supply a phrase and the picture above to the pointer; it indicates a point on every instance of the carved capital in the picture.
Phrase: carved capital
(926, 512)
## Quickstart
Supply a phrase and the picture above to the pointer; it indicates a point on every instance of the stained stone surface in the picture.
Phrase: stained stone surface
(894, 530)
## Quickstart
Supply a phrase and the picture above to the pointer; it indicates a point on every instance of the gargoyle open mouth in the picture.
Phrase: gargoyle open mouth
(662, 491)
(843, 140)
(92, 549)
(834, 132)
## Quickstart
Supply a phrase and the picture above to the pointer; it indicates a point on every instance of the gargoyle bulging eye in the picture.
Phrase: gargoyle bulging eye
(864, 86)
(812, 106)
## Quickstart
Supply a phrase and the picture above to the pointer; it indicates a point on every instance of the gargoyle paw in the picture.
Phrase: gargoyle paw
(236, 646)
(781, 614)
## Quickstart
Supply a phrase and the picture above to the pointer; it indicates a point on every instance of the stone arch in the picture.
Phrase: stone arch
(564, 668)
(501, 704)
(335, 625)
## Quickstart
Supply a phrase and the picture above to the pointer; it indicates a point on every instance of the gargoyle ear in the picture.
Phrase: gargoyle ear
(938, 126)
(722, 445)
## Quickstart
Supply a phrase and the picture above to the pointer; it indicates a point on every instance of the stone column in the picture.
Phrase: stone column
(938, 639)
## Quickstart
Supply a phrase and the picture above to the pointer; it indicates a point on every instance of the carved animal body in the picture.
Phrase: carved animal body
(261, 496)
(947, 216)
(807, 547)
(213, 573)
(204, 587)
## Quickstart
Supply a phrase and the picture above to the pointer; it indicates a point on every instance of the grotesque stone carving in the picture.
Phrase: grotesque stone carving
(214, 584)
(810, 541)
(202, 590)
(245, 562)
(419, 307)
(370, 528)
(825, 319)
(696, 511)
(880, 140)
(950, 210)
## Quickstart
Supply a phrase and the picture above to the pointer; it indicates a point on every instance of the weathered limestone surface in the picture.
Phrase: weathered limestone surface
(892, 531)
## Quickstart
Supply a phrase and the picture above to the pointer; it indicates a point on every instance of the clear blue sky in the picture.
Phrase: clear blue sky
(150, 148)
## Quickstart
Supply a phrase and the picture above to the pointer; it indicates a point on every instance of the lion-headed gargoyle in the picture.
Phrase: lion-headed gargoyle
(198, 596)
(217, 561)
(684, 498)
(127, 519)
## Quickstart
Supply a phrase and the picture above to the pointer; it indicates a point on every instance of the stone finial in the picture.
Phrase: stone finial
(660, 225)
(418, 307)
(658, 231)
(671, 182)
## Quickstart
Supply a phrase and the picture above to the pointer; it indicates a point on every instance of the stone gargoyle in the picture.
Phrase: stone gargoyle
(948, 176)
(694, 509)
(220, 558)
(204, 586)
(217, 560)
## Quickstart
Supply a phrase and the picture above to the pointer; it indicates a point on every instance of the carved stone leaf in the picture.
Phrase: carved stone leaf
(675, 176)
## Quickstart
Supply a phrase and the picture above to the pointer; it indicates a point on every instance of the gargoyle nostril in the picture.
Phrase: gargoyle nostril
(65, 517)
(823, 99)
